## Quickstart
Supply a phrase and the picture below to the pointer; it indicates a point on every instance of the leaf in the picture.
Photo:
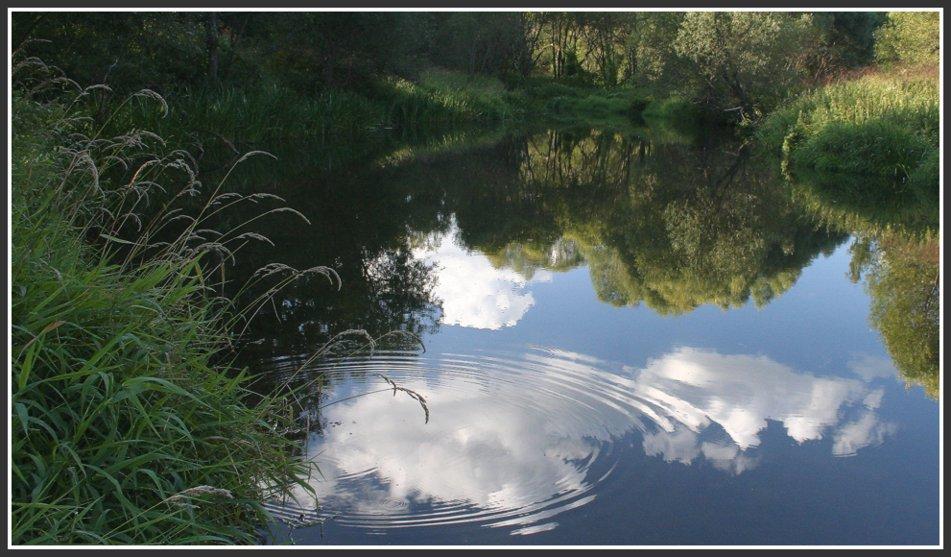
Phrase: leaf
(23, 415)
(116, 240)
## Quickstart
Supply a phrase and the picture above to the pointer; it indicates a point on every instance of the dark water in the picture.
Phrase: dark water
(630, 338)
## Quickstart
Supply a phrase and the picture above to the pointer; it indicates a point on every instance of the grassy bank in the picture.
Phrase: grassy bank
(411, 111)
(867, 145)
(128, 425)
(901, 104)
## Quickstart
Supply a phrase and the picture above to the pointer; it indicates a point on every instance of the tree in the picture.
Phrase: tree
(747, 58)
(909, 37)
(483, 43)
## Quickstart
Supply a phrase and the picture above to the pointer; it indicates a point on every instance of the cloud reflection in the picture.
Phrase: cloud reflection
(520, 439)
(473, 292)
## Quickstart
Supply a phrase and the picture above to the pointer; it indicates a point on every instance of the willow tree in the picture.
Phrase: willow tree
(748, 59)
(909, 37)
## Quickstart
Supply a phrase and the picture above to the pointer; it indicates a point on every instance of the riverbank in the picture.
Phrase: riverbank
(411, 110)
(129, 425)
(866, 147)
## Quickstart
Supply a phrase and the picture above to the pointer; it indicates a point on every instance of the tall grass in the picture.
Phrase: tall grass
(440, 99)
(564, 103)
(875, 114)
(129, 423)
(865, 148)
(259, 114)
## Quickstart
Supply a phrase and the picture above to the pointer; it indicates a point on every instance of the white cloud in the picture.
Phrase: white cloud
(740, 393)
(864, 432)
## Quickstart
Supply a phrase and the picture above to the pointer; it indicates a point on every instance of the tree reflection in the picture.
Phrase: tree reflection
(896, 250)
(673, 225)
(904, 285)
(902, 279)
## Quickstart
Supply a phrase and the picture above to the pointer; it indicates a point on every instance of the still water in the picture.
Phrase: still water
(626, 338)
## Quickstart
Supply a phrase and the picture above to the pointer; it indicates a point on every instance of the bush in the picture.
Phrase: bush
(880, 148)
(901, 107)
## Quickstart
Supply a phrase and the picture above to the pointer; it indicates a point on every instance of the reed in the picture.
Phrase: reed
(131, 424)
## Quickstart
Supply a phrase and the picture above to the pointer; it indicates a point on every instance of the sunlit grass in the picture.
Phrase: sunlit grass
(864, 152)
(872, 115)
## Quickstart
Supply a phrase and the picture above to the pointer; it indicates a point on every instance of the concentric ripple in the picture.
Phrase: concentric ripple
(514, 440)
(510, 441)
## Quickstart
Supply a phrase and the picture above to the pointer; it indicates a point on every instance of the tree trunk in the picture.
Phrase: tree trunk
(211, 39)
(737, 88)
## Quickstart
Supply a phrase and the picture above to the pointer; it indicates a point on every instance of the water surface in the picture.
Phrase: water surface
(629, 338)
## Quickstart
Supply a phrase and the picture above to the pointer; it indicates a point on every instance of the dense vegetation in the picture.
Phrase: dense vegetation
(129, 424)
(881, 129)
(355, 70)
(131, 421)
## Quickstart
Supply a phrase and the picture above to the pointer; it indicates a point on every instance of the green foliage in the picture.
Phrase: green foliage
(545, 99)
(128, 424)
(747, 58)
(270, 113)
(925, 175)
(909, 100)
(870, 149)
(652, 55)
(483, 43)
(443, 97)
(674, 119)
(909, 38)
(126, 50)
(720, 59)
(745, 61)
(593, 107)
(848, 39)
(863, 152)
(903, 281)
